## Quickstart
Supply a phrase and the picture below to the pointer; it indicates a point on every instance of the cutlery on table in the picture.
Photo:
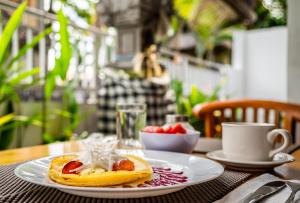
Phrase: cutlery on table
(264, 191)
(295, 187)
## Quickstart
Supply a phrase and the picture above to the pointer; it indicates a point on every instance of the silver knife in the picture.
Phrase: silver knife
(264, 191)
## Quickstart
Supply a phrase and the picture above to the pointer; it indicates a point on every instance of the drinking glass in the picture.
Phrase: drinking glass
(131, 119)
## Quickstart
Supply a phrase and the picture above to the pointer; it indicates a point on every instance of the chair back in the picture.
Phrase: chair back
(283, 115)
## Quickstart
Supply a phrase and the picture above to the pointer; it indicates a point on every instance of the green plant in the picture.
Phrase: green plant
(214, 24)
(270, 14)
(70, 108)
(12, 76)
(203, 18)
(185, 104)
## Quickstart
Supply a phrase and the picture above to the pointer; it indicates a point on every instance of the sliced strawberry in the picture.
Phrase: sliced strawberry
(67, 169)
(169, 130)
(159, 130)
(124, 164)
(154, 129)
(172, 130)
(150, 129)
(178, 128)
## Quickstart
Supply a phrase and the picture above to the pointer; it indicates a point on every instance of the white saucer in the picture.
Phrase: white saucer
(279, 159)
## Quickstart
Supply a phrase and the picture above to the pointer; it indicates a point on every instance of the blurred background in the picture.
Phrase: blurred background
(70, 62)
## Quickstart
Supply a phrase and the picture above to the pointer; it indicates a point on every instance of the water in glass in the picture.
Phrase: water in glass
(131, 118)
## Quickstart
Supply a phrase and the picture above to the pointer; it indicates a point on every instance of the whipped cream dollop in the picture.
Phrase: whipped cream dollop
(100, 152)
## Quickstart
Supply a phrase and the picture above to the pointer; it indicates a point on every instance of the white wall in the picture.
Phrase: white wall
(206, 80)
(260, 57)
(293, 51)
(259, 68)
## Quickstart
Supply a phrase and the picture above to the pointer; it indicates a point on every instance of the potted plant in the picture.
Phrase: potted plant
(12, 76)
(185, 104)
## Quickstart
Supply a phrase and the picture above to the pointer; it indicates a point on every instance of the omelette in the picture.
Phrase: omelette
(131, 169)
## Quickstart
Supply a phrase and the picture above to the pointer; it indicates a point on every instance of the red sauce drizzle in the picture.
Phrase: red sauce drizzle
(165, 177)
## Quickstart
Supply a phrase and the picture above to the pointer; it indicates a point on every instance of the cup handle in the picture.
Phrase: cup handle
(272, 136)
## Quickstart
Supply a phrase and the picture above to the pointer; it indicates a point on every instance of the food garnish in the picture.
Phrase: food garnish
(124, 164)
(70, 166)
(99, 166)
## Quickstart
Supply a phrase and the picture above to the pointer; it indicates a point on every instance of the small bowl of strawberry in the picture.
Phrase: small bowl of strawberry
(173, 138)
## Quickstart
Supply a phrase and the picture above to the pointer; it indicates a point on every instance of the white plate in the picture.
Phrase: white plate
(196, 169)
(279, 159)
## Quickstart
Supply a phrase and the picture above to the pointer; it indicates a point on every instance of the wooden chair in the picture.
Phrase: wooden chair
(283, 115)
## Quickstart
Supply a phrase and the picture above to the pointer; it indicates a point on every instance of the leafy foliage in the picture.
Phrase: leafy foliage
(185, 104)
(205, 20)
(9, 29)
(70, 108)
(184, 7)
(266, 17)
(6, 118)
(7, 128)
(28, 46)
(12, 76)
(62, 63)
(214, 28)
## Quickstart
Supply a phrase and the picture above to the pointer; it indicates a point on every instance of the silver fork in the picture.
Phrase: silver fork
(295, 187)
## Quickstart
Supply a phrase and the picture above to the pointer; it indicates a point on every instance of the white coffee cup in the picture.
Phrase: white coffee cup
(252, 141)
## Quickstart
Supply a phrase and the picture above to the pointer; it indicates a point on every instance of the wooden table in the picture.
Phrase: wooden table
(287, 171)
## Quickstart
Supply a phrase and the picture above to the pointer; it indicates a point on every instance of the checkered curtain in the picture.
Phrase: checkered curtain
(114, 90)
